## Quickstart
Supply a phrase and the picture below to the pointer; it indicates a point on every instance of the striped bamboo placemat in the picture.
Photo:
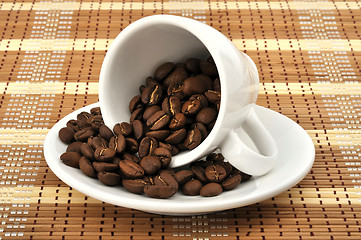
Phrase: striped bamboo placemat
(308, 57)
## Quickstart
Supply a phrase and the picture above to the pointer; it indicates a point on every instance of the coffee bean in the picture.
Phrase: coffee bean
(215, 173)
(164, 155)
(191, 107)
(174, 150)
(75, 125)
(208, 82)
(192, 65)
(86, 167)
(171, 105)
(215, 157)
(158, 191)
(84, 117)
(206, 115)
(132, 157)
(217, 85)
(96, 123)
(211, 190)
(74, 147)
(147, 146)
(132, 145)
(149, 111)
(150, 164)
(98, 142)
(131, 169)
(138, 129)
(71, 159)
(141, 88)
(124, 128)
(118, 143)
(136, 115)
(192, 187)
(177, 76)
(199, 173)
(175, 90)
(83, 134)
(202, 128)
(158, 120)
(193, 139)
(210, 126)
(158, 135)
(245, 176)
(166, 178)
(134, 185)
(116, 161)
(163, 70)
(95, 111)
(201, 98)
(109, 178)
(66, 135)
(104, 154)
(231, 182)
(152, 95)
(135, 103)
(208, 68)
(177, 136)
(87, 151)
(183, 176)
(105, 167)
(181, 147)
(178, 121)
(213, 96)
(193, 85)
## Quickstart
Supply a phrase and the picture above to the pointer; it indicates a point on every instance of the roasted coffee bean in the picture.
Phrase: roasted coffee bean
(138, 129)
(181, 147)
(215, 173)
(74, 147)
(208, 82)
(215, 157)
(171, 105)
(226, 165)
(95, 111)
(105, 167)
(190, 120)
(183, 176)
(132, 145)
(141, 88)
(206, 115)
(164, 155)
(75, 125)
(177, 136)
(193, 139)
(158, 120)
(163, 70)
(149, 111)
(118, 143)
(84, 117)
(231, 182)
(124, 128)
(86, 167)
(132, 157)
(135, 103)
(147, 146)
(158, 135)
(199, 173)
(202, 128)
(210, 125)
(87, 151)
(211, 190)
(109, 178)
(166, 178)
(131, 169)
(116, 160)
(208, 68)
(193, 85)
(201, 98)
(136, 115)
(175, 90)
(71, 159)
(213, 96)
(192, 65)
(192, 187)
(66, 135)
(191, 107)
(83, 134)
(98, 142)
(174, 150)
(104, 154)
(134, 185)
(96, 123)
(150, 164)
(152, 95)
(178, 121)
(217, 85)
(245, 176)
(177, 76)
(159, 191)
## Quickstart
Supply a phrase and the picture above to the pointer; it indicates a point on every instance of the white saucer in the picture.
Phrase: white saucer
(296, 156)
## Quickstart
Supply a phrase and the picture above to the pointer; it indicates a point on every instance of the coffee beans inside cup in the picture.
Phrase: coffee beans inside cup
(175, 111)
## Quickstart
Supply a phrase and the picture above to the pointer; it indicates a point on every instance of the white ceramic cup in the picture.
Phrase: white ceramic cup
(145, 44)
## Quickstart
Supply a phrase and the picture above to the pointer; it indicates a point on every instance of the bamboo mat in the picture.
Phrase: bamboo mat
(308, 56)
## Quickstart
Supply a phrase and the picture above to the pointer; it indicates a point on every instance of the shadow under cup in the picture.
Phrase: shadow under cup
(138, 51)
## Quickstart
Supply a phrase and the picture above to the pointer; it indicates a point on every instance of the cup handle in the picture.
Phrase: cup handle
(245, 159)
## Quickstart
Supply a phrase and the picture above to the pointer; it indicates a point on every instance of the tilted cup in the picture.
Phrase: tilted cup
(145, 44)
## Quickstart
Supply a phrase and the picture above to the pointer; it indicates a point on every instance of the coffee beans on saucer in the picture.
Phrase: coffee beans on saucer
(174, 111)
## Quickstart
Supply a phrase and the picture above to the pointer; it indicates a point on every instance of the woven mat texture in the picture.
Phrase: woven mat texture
(308, 57)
